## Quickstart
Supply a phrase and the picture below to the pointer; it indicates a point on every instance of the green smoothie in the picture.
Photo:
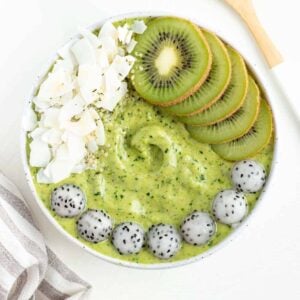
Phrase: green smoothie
(151, 171)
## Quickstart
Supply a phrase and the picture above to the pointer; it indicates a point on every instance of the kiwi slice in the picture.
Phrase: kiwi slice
(230, 101)
(215, 84)
(233, 127)
(172, 60)
(253, 141)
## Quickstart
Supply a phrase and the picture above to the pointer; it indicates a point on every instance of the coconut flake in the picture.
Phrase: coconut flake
(76, 147)
(58, 170)
(62, 151)
(79, 168)
(102, 59)
(67, 157)
(62, 99)
(66, 65)
(42, 178)
(113, 97)
(131, 46)
(122, 65)
(91, 37)
(112, 80)
(41, 105)
(50, 118)
(84, 52)
(108, 29)
(128, 37)
(92, 146)
(52, 136)
(90, 81)
(70, 109)
(138, 27)
(40, 153)
(29, 120)
(84, 126)
(66, 53)
(94, 113)
(109, 45)
(37, 132)
(56, 84)
(122, 33)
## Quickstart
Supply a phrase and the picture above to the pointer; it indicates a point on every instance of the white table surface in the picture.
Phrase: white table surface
(261, 263)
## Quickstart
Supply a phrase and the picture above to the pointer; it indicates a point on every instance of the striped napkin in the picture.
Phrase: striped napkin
(28, 268)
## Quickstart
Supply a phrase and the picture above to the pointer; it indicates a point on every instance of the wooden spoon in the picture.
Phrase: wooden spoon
(247, 12)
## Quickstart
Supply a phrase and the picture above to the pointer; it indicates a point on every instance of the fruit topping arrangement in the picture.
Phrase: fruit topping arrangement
(162, 240)
(185, 71)
(205, 83)
(64, 125)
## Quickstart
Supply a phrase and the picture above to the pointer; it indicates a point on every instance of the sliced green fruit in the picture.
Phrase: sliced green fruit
(215, 84)
(172, 60)
(231, 100)
(233, 127)
(253, 141)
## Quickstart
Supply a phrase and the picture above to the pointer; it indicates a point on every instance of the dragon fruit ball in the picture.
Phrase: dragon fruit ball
(128, 238)
(163, 240)
(94, 225)
(248, 176)
(230, 207)
(198, 228)
(68, 200)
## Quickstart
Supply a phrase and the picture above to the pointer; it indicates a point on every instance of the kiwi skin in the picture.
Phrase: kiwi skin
(202, 80)
(256, 92)
(212, 101)
(221, 92)
(256, 151)
(254, 120)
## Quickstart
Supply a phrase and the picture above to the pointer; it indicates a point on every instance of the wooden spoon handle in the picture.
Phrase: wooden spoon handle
(246, 10)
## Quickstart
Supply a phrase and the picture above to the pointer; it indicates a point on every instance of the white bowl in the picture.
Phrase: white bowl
(45, 211)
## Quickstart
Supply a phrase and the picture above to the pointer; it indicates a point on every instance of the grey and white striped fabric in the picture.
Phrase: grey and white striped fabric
(28, 268)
